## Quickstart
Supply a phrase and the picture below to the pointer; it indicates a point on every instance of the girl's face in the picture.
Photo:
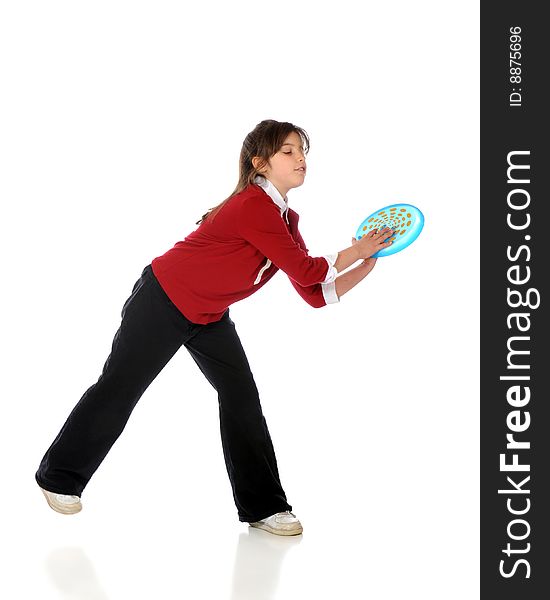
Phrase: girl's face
(287, 167)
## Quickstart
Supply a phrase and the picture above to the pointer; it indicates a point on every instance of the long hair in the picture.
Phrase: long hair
(265, 140)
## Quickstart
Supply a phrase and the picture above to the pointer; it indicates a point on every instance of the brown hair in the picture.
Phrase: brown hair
(263, 141)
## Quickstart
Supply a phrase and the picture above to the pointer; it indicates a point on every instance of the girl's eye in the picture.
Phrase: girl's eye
(287, 152)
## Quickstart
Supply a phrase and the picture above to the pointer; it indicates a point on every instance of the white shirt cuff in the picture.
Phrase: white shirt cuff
(332, 273)
(329, 292)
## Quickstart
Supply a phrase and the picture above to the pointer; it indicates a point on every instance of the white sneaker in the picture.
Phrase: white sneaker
(281, 523)
(62, 503)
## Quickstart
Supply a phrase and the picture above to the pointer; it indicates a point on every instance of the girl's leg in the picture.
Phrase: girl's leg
(151, 331)
(247, 447)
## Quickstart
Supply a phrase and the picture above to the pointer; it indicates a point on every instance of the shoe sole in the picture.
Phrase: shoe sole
(277, 531)
(64, 509)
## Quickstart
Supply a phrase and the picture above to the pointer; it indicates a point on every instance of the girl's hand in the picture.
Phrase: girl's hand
(368, 263)
(373, 241)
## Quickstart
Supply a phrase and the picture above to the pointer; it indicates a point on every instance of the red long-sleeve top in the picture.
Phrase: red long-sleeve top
(233, 256)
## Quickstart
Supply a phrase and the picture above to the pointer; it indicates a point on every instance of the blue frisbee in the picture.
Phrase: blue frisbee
(406, 220)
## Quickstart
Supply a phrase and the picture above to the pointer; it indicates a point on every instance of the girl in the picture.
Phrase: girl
(183, 297)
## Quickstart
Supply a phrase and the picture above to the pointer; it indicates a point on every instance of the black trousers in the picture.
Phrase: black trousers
(151, 331)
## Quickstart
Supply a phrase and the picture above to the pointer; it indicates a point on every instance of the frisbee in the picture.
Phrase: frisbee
(406, 220)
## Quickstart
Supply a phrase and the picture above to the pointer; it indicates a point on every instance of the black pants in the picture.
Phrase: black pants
(151, 331)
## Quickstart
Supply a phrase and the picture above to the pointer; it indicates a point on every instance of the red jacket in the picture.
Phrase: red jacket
(233, 256)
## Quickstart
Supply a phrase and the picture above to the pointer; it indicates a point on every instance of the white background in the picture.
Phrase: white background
(121, 123)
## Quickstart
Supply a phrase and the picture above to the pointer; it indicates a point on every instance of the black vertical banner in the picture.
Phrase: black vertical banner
(515, 259)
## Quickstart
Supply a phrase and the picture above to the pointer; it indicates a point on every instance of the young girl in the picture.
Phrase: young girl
(183, 297)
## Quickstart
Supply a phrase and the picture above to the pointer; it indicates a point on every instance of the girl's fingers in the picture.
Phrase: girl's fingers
(378, 233)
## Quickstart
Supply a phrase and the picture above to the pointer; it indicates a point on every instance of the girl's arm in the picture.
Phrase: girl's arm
(348, 280)
(346, 258)
(368, 245)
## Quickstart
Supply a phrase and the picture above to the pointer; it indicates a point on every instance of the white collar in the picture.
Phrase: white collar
(273, 193)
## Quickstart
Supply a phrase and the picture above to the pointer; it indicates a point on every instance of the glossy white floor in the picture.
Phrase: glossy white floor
(158, 544)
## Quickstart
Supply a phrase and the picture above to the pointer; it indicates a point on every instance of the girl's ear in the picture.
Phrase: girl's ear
(258, 163)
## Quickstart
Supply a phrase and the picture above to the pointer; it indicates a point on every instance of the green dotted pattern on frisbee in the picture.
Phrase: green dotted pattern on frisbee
(398, 218)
